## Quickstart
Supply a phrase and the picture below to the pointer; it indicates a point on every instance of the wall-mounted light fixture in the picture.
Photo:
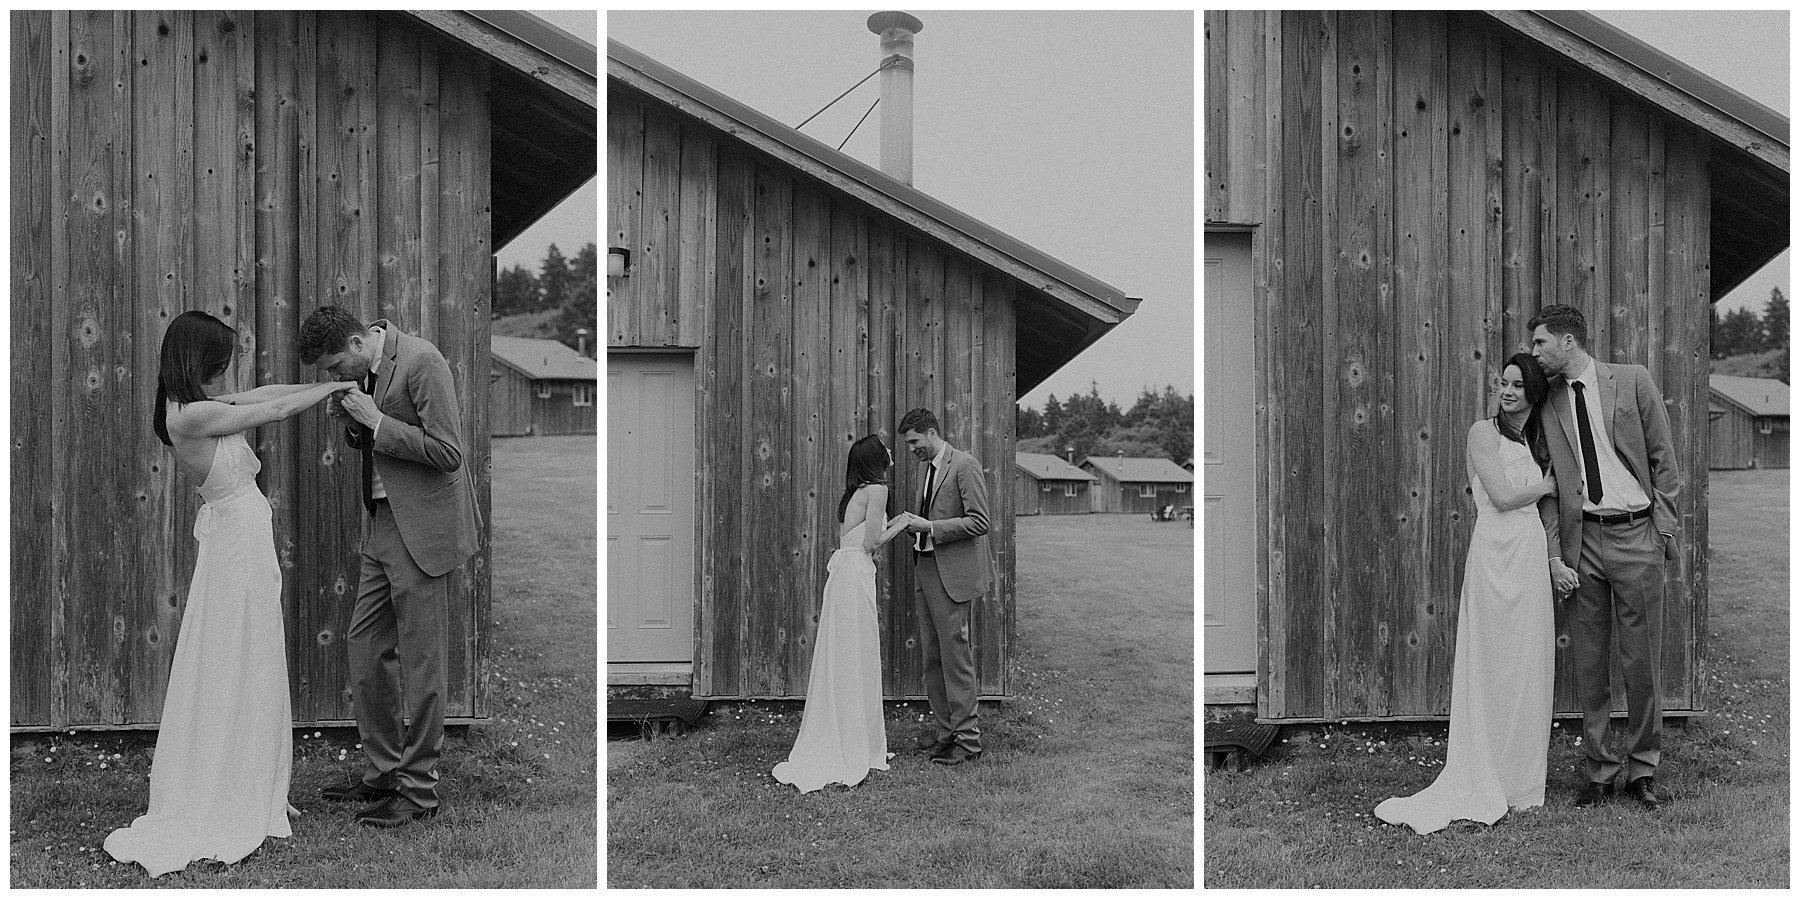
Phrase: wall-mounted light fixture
(618, 259)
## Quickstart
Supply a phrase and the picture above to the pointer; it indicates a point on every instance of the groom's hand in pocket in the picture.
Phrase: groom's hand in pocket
(1668, 546)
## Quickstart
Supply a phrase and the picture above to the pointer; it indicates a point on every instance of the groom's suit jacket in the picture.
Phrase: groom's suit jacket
(959, 526)
(1632, 407)
(418, 453)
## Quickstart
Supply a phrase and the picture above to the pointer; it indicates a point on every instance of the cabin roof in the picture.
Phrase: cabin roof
(1046, 467)
(1758, 396)
(1750, 141)
(1062, 310)
(543, 108)
(540, 360)
(1137, 469)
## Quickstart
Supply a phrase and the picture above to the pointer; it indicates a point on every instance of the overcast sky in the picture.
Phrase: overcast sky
(574, 221)
(1071, 131)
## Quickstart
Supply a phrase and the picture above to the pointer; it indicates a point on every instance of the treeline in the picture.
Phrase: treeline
(565, 294)
(1741, 331)
(1158, 424)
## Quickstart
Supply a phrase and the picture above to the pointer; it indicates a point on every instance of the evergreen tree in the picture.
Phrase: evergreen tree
(1028, 422)
(555, 280)
(1053, 416)
(1775, 321)
(580, 308)
(515, 291)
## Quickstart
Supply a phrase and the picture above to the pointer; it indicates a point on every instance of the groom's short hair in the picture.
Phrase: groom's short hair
(1559, 319)
(326, 331)
(920, 420)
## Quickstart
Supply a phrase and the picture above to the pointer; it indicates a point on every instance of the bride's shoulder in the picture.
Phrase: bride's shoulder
(1483, 428)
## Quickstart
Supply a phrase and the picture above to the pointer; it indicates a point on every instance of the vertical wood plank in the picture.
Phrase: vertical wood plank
(624, 188)
(1214, 33)
(699, 197)
(1268, 253)
(816, 483)
(893, 586)
(35, 208)
(396, 180)
(659, 271)
(769, 525)
(62, 392)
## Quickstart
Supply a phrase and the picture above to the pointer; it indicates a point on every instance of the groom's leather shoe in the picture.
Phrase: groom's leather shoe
(1593, 794)
(936, 745)
(395, 811)
(956, 755)
(356, 792)
(1644, 790)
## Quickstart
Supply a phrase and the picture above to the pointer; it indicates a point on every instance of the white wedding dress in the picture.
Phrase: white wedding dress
(842, 735)
(1501, 681)
(224, 750)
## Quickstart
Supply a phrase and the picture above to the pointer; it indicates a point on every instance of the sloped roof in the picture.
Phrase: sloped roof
(543, 109)
(1140, 470)
(1046, 467)
(1061, 309)
(1749, 170)
(544, 359)
(1757, 396)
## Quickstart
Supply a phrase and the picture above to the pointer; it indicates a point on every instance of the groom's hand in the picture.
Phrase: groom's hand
(361, 407)
(916, 524)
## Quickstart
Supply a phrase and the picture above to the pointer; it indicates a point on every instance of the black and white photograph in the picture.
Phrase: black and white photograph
(304, 454)
(1495, 351)
(900, 449)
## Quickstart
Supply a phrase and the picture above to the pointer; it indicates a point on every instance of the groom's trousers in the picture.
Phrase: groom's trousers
(398, 636)
(1621, 594)
(948, 655)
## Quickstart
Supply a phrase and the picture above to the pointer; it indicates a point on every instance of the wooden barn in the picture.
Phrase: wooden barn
(1138, 484)
(778, 301)
(1389, 197)
(1748, 422)
(255, 165)
(541, 388)
(1049, 485)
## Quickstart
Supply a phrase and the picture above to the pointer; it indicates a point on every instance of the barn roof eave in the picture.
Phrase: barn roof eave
(545, 109)
(1094, 300)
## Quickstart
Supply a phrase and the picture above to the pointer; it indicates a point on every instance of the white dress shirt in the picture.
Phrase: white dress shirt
(1621, 490)
(937, 483)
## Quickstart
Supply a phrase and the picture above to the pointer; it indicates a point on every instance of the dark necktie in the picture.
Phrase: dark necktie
(368, 454)
(1590, 460)
(924, 507)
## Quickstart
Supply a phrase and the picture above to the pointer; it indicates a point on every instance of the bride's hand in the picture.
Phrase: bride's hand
(1549, 485)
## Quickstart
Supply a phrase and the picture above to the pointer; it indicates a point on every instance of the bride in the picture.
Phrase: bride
(224, 748)
(842, 736)
(1500, 687)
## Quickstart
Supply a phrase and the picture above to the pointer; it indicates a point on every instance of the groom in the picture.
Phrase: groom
(407, 424)
(950, 571)
(1614, 525)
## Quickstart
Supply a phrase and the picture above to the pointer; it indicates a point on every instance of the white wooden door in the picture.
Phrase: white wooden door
(649, 507)
(1230, 456)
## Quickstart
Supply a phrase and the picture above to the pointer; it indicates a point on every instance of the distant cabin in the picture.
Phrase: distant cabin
(540, 388)
(1047, 485)
(1136, 484)
(1748, 422)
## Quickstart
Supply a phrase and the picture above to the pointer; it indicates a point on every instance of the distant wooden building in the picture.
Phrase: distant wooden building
(1748, 421)
(1389, 196)
(254, 165)
(1048, 485)
(1138, 484)
(541, 388)
(782, 300)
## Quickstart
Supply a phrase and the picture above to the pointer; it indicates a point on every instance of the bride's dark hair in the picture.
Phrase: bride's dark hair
(868, 464)
(196, 348)
(1537, 389)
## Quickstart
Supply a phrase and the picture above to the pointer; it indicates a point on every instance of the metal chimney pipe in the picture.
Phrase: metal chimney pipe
(896, 30)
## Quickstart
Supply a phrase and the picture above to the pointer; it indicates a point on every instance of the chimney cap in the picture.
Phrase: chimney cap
(882, 21)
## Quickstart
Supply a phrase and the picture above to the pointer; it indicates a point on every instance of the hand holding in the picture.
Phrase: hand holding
(360, 406)
(1563, 577)
(916, 524)
(1549, 485)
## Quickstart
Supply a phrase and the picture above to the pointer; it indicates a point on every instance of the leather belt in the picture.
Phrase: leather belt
(1621, 518)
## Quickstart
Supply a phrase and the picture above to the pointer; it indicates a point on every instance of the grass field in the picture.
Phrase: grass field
(1087, 779)
(1302, 818)
(519, 790)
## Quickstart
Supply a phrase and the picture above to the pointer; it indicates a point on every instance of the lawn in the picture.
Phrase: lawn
(1302, 818)
(1087, 779)
(518, 790)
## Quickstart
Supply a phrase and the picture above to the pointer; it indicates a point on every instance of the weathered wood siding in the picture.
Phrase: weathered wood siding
(1421, 183)
(255, 166)
(1035, 497)
(1738, 440)
(518, 408)
(815, 321)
